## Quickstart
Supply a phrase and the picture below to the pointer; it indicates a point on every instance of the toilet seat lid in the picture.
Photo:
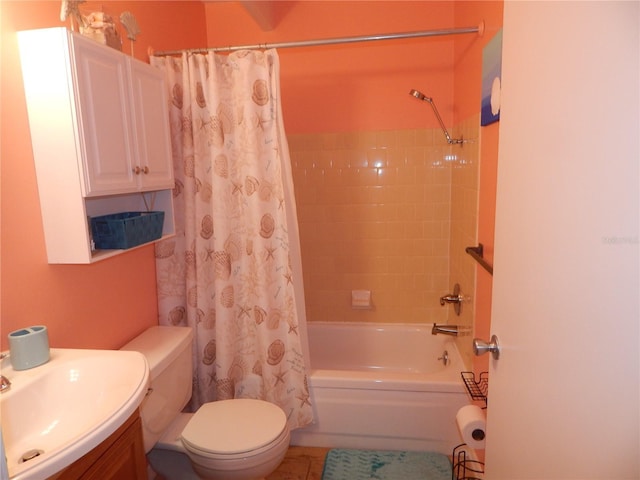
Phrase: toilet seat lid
(234, 426)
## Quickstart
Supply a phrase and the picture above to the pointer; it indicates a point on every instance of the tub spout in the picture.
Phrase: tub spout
(444, 329)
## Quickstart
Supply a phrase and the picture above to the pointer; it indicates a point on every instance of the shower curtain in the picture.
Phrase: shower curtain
(233, 271)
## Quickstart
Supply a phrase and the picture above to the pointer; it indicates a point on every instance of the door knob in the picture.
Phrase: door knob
(480, 347)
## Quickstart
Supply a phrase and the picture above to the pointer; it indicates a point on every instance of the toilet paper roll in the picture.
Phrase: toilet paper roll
(472, 426)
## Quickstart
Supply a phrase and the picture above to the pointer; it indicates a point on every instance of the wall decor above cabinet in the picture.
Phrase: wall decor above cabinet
(100, 137)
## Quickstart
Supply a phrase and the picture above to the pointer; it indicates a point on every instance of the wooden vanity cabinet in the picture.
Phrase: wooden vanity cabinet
(100, 136)
(119, 457)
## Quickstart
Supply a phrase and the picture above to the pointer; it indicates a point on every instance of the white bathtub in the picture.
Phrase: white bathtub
(381, 386)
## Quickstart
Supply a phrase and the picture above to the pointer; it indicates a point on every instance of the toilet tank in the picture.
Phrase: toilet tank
(168, 352)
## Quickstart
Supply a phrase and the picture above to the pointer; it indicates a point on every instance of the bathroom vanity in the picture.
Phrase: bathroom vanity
(75, 416)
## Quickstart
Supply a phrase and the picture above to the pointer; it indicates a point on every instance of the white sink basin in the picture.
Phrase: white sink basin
(67, 406)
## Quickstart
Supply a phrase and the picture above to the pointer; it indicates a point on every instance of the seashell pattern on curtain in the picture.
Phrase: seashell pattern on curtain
(228, 271)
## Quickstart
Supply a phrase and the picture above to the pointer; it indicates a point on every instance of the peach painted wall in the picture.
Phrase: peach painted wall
(89, 306)
(361, 86)
(468, 82)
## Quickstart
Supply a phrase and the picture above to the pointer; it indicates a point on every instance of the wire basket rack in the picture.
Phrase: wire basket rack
(477, 388)
(465, 467)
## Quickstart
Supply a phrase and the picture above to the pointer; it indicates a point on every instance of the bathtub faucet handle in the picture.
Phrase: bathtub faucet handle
(449, 299)
(444, 358)
(456, 298)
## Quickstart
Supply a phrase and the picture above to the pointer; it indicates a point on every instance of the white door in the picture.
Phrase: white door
(564, 395)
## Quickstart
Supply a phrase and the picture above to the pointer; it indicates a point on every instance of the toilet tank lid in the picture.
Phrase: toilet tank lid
(160, 345)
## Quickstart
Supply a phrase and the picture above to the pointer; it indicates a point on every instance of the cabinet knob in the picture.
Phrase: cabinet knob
(145, 170)
(136, 170)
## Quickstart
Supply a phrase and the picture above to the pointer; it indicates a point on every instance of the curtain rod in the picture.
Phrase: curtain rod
(326, 41)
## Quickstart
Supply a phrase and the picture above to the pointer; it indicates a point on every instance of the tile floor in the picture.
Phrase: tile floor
(301, 463)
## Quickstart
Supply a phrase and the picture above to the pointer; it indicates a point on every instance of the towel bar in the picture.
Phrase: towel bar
(477, 254)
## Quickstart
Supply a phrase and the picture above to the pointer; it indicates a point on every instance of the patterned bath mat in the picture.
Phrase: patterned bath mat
(345, 464)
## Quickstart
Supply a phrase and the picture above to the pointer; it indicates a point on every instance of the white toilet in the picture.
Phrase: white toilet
(241, 439)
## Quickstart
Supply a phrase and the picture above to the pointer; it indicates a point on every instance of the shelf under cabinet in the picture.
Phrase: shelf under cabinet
(99, 254)
(134, 202)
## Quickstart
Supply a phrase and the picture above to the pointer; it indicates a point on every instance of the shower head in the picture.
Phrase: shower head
(422, 96)
(419, 95)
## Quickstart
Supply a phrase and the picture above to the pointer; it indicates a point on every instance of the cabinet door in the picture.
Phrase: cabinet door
(120, 457)
(103, 102)
(125, 459)
(152, 127)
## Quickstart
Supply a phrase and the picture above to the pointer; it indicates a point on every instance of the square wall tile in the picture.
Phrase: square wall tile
(390, 212)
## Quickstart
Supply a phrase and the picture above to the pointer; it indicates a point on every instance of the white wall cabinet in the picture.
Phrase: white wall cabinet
(100, 136)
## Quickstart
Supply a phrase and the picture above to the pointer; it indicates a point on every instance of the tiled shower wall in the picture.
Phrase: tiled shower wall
(374, 210)
(464, 232)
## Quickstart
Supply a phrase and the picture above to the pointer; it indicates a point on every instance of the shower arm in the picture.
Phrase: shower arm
(429, 100)
(450, 141)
